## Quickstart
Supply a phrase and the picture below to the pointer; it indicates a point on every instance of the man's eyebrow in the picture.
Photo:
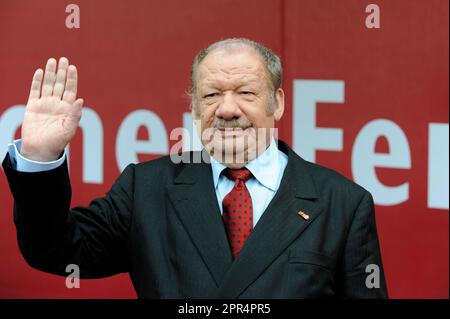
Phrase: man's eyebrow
(207, 86)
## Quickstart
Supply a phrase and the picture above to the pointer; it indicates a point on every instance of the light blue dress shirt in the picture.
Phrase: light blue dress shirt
(23, 164)
(267, 170)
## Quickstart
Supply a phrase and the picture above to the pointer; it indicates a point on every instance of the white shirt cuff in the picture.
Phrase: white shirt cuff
(23, 164)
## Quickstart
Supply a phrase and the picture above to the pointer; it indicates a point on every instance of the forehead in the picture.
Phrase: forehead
(227, 67)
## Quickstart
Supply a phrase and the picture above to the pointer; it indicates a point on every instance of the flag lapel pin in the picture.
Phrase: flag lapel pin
(303, 215)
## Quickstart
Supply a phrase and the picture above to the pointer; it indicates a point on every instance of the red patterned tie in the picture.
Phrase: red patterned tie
(238, 209)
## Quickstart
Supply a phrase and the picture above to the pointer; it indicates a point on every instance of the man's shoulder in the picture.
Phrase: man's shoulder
(169, 165)
(323, 178)
(326, 178)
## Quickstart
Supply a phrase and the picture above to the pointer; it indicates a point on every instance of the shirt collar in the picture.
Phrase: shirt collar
(265, 168)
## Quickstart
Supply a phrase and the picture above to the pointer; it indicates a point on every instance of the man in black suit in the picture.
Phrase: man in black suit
(250, 219)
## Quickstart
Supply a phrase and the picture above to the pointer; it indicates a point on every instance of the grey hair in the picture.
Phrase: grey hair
(271, 61)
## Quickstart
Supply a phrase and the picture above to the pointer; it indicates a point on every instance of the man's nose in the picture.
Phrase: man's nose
(228, 108)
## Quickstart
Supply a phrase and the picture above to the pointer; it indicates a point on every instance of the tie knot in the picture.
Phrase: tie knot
(242, 174)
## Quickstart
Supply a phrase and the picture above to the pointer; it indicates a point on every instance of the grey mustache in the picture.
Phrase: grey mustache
(235, 123)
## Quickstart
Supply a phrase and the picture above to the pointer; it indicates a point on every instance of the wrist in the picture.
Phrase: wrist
(36, 155)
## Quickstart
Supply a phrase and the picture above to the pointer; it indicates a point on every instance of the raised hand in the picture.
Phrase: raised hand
(53, 111)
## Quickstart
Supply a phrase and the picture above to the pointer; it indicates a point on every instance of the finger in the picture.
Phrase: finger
(49, 77)
(35, 90)
(70, 91)
(75, 110)
(60, 83)
(78, 104)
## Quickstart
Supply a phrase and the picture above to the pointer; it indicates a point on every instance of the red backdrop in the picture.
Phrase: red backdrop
(390, 89)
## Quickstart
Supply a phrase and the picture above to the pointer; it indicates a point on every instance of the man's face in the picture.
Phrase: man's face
(232, 106)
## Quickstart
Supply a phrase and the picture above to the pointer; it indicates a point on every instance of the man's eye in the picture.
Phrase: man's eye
(210, 95)
(246, 93)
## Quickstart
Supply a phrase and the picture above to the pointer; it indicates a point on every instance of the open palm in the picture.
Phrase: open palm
(53, 112)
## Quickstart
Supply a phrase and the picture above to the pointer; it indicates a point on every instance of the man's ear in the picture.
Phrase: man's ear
(279, 104)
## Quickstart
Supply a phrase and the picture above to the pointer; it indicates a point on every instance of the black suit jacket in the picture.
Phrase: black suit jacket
(161, 222)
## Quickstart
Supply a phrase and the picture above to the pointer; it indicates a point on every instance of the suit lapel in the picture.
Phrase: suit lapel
(279, 226)
(195, 202)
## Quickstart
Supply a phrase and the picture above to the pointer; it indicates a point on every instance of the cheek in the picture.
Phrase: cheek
(207, 117)
(258, 118)
(257, 112)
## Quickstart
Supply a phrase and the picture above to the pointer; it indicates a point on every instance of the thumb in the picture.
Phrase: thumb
(76, 108)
